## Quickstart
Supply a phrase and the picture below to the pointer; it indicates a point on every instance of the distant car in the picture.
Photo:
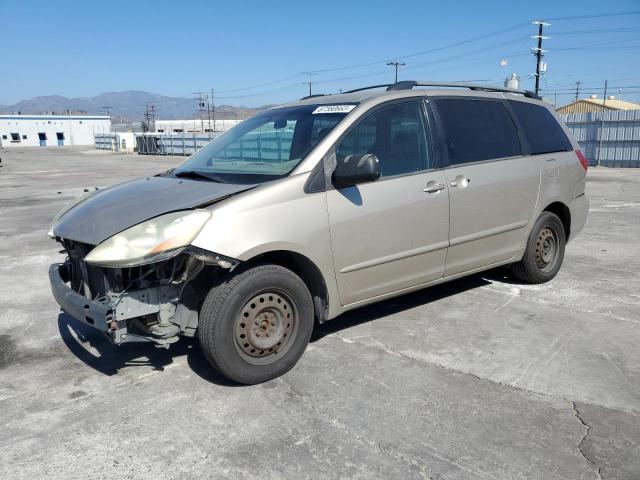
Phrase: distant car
(308, 210)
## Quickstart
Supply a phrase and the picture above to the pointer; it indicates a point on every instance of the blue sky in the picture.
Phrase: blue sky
(176, 48)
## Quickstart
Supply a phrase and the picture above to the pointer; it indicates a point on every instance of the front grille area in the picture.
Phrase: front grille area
(97, 282)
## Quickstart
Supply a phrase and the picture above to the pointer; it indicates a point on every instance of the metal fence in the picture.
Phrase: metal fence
(172, 143)
(618, 132)
(264, 146)
(107, 141)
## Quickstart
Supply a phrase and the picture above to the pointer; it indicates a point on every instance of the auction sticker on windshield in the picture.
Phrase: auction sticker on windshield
(334, 109)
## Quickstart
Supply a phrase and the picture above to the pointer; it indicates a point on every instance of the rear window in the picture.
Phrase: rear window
(541, 129)
(477, 130)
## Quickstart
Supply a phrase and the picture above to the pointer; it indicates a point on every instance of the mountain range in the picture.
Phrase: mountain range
(130, 105)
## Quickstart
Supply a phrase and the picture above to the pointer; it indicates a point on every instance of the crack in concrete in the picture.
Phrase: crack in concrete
(584, 437)
(381, 346)
(334, 422)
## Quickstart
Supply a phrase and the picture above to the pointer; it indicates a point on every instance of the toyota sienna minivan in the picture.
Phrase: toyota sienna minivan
(320, 206)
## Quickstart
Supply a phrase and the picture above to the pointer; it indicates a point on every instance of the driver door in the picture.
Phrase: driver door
(390, 234)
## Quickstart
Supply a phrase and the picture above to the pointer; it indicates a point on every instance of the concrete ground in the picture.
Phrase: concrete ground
(481, 378)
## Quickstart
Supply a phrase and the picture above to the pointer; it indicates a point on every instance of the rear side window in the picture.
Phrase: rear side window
(540, 128)
(477, 130)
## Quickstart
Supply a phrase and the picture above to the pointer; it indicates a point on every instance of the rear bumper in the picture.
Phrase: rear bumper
(578, 208)
(108, 315)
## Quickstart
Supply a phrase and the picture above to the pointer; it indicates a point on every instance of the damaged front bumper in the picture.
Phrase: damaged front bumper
(110, 314)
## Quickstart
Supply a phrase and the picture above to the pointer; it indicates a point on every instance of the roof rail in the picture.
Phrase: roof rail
(314, 96)
(409, 84)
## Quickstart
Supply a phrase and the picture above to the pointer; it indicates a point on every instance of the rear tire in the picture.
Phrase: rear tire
(545, 250)
(256, 324)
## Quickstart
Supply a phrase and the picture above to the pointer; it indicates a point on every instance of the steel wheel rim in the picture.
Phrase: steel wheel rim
(265, 326)
(547, 249)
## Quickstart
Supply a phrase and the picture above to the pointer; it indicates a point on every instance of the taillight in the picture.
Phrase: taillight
(583, 160)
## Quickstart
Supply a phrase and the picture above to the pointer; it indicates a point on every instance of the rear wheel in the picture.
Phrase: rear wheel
(545, 250)
(255, 325)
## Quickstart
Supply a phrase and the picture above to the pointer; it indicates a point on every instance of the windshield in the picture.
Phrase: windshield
(265, 147)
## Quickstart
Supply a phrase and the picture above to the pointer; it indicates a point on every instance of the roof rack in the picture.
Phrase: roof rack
(409, 84)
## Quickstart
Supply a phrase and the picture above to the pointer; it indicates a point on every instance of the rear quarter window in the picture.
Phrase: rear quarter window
(540, 128)
(477, 130)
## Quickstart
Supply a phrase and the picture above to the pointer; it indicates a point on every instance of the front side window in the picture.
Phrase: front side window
(15, 137)
(477, 130)
(265, 147)
(396, 135)
(540, 128)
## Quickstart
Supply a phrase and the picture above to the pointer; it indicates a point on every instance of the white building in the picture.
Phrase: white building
(194, 126)
(51, 130)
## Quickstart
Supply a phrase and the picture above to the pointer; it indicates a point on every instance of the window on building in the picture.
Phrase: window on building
(396, 135)
(24, 137)
(540, 128)
(15, 137)
(4, 137)
(477, 130)
(59, 135)
(178, 130)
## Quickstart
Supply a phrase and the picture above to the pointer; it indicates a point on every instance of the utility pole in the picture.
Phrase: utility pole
(604, 101)
(309, 82)
(147, 117)
(538, 51)
(578, 89)
(153, 118)
(213, 110)
(396, 65)
(201, 107)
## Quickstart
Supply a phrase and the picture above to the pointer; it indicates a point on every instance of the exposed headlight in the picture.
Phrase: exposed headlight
(154, 240)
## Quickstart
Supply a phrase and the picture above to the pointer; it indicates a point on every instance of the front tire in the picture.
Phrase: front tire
(256, 324)
(545, 250)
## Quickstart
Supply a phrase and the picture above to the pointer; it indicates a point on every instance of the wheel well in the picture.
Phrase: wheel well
(562, 211)
(307, 271)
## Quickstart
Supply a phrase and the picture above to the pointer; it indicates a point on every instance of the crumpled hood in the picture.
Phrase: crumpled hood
(117, 208)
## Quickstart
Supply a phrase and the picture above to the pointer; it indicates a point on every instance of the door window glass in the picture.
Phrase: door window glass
(396, 135)
(477, 130)
(540, 128)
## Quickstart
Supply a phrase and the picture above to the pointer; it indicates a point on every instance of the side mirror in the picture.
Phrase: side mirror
(355, 169)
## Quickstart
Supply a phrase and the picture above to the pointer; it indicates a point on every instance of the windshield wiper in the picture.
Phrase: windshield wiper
(197, 176)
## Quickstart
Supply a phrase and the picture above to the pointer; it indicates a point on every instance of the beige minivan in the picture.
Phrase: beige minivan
(320, 206)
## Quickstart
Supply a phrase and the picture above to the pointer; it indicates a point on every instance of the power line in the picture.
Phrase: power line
(596, 15)
(423, 52)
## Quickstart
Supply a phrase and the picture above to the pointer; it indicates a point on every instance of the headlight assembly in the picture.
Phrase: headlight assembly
(154, 240)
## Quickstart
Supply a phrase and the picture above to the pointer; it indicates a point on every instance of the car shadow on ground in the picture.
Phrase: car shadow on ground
(95, 350)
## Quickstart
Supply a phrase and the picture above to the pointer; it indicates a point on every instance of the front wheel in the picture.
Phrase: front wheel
(256, 324)
(545, 250)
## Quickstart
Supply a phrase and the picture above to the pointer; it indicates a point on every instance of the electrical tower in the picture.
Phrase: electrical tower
(538, 51)
(107, 110)
(396, 65)
(578, 83)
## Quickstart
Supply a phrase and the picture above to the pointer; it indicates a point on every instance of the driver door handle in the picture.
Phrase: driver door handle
(434, 188)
